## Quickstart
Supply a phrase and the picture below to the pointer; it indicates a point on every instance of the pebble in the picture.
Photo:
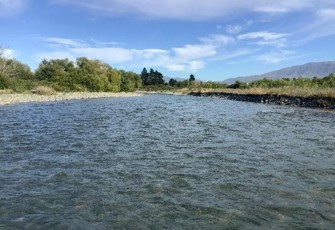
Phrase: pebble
(10, 98)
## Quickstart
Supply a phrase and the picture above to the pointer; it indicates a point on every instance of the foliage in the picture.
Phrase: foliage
(86, 75)
(94, 75)
(152, 78)
(14, 74)
(320, 87)
(238, 85)
(11, 68)
(59, 72)
(192, 78)
(173, 82)
(130, 81)
(145, 77)
(114, 79)
(3, 82)
(214, 85)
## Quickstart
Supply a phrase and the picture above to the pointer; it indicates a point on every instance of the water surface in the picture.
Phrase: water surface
(166, 162)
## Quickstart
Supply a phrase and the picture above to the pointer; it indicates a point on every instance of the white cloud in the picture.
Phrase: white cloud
(240, 52)
(276, 56)
(111, 55)
(192, 52)
(233, 29)
(266, 38)
(194, 10)
(327, 14)
(188, 66)
(176, 67)
(7, 53)
(324, 24)
(55, 55)
(190, 57)
(102, 43)
(217, 40)
(321, 24)
(196, 65)
(11, 7)
(55, 41)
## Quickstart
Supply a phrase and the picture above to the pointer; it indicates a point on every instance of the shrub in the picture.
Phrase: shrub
(3, 82)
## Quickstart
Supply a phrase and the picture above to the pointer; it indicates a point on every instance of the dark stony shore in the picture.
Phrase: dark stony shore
(310, 102)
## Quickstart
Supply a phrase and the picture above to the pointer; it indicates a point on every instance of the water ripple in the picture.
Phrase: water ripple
(166, 162)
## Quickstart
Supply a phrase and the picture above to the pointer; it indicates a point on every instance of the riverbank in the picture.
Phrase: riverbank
(310, 102)
(15, 98)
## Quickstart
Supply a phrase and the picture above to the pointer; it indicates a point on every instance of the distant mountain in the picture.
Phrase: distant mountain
(313, 69)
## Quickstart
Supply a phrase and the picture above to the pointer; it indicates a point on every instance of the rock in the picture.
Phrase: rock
(311, 102)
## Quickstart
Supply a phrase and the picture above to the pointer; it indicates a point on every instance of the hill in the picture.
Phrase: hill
(313, 69)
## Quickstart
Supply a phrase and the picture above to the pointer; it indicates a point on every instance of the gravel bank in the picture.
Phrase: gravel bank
(311, 102)
(9, 99)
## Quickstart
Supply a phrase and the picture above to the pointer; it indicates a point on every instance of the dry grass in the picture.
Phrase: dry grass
(288, 91)
(44, 90)
(6, 91)
(184, 90)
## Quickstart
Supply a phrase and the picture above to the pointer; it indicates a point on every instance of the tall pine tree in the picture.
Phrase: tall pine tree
(145, 77)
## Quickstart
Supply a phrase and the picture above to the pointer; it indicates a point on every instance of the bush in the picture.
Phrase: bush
(4, 84)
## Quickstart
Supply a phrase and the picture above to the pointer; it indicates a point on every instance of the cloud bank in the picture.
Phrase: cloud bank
(195, 10)
(189, 57)
(11, 7)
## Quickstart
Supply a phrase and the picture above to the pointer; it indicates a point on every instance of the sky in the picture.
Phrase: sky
(213, 39)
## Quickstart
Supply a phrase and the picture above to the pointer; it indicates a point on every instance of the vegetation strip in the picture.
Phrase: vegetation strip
(54, 77)
(311, 102)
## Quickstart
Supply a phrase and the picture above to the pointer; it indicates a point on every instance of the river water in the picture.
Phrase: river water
(166, 162)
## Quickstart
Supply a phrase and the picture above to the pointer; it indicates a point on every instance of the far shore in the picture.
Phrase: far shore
(16, 98)
(279, 99)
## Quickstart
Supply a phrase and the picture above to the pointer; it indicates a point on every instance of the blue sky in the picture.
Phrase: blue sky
(212, 39)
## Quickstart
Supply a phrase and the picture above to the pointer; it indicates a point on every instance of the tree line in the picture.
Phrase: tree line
(94, 75)
(154, 80)
(301, 82)
(65, 75)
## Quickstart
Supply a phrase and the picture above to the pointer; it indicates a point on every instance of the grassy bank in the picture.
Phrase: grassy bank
(286, 91)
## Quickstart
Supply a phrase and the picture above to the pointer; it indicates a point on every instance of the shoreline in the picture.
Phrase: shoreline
(17, 98)
(308, 102)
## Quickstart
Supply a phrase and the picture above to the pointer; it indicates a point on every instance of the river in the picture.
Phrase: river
(166, 162)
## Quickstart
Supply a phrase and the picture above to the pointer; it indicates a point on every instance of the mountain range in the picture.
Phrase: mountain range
(312, 69)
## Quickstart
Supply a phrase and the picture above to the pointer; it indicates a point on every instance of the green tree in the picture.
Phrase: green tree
(4, 84)
(192, 78)
(59, 73)
(238, 85)
(12, 68)
(155, 77)
(23, 71)
(145, 77)
(137, 80)
(6, 67)
(182, 84)
(173, 82)
(114, 79)
(54, 70)
(93, 74)
(127, 83)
